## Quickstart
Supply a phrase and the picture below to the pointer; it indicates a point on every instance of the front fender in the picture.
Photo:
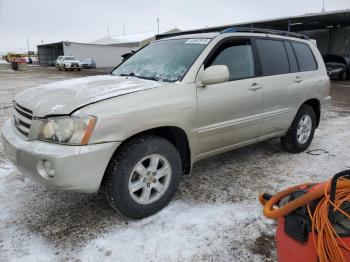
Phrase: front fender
(122, 117)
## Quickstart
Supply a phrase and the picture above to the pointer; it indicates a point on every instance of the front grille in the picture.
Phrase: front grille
(75, 64)
(22, 119)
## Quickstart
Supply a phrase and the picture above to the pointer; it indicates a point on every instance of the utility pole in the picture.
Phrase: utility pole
(123, 29)
(323, 9)
(108, 35)
(158, 24)
(27, 45)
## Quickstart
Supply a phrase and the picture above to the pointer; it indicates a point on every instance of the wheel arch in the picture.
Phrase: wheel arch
(316, 106)
(174, 135)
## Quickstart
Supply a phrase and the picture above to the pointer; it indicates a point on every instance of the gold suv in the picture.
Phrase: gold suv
(178, 100)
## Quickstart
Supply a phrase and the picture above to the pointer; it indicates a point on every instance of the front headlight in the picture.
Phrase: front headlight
(67, 130)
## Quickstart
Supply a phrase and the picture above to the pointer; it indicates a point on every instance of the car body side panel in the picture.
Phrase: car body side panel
(284, 94)
(281, 100)
(228, 113)
(176, 105)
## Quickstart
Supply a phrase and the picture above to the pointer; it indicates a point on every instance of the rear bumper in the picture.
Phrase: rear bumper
(86, 66)
(76, 168)
(325, 106)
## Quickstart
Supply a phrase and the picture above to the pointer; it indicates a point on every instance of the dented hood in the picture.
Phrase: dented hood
(65, 96)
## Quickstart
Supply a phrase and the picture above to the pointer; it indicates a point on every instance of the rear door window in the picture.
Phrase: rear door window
(291, 57)
(238, 57)
(273, 57)
(305, 56)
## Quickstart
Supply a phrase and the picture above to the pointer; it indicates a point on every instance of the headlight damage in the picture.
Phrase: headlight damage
(67, 130)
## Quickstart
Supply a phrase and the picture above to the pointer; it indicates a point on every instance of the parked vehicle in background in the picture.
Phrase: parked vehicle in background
(88, 63)
(32, 60)
(21, 60)
(53, 63)
(338, 67)
(67, 63)
(127, 55)
(11, 57)
(178, 100)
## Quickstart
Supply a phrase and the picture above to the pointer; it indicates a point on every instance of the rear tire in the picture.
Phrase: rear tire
(133, 165)
(301, 132)
(344, 76)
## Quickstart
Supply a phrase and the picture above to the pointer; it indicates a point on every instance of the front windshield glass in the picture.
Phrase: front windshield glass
(166, 60)
(69, 58)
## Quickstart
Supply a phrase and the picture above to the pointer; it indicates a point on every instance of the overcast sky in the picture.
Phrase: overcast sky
(86, 20)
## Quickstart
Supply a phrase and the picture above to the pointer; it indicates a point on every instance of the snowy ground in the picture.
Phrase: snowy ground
(215, 215)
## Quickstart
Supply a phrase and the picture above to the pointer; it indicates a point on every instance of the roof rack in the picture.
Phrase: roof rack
(263, 30)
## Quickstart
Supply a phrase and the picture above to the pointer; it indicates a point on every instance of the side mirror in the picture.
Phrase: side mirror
(215, 75)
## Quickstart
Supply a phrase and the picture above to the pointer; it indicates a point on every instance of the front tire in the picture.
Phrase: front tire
(301, 132)
(143, 176)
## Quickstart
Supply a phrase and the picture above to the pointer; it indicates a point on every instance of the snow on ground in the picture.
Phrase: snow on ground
(215, 215)
(182, 232)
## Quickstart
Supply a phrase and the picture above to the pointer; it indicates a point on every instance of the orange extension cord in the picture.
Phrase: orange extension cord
(327, 242)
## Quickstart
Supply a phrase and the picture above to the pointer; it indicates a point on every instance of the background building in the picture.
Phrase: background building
(107, 52)
(104, 56)
(331, 30)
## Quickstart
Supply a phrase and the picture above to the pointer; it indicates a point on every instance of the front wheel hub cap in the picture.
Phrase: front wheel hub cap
(304, 129)
(149, 179)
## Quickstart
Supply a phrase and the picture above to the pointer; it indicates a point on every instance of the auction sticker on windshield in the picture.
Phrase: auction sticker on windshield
(198, 41)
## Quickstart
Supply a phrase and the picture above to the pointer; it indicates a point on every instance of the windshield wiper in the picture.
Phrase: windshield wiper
(154, 78)
(130, 74)
(142, 77)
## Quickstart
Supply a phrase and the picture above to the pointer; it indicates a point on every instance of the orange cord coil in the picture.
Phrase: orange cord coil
(328, 244)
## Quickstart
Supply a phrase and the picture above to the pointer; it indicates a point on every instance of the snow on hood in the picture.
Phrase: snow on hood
(65, 96)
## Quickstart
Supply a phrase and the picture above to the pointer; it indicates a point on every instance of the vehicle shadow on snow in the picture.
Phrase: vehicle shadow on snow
(67, 219)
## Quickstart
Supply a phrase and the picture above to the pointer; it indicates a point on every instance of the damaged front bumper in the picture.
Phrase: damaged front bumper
(76, 168)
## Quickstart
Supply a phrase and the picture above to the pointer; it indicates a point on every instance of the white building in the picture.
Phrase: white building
(107, 52)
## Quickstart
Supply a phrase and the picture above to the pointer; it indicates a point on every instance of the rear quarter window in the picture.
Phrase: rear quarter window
(273, 57)
(292, 59)
(305, 56)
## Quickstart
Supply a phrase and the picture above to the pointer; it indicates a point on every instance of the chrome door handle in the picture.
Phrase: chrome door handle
(255, 86)
(298, 79)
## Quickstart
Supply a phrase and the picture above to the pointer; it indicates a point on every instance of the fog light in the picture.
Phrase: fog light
(49, 168)
(46, 169)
